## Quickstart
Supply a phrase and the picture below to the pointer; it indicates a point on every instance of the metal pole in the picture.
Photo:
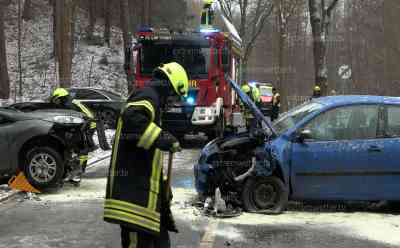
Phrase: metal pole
(169, 174)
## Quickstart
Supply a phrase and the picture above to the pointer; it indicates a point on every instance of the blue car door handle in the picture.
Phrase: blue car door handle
(375, 149)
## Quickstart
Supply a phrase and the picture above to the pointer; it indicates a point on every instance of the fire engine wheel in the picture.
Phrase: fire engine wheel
(108, 117)
(44, 167)
(267, 195)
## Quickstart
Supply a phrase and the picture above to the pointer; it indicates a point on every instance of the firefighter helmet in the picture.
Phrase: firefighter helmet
(246, 88)
(317, 88)
(177, 77)
(208, 2)
(58, 94)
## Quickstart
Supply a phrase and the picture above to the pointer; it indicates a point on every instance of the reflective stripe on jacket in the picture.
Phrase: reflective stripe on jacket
(135, 180)
(86, 111)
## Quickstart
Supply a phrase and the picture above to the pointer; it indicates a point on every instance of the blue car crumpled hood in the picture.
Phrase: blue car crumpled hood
(205, 169)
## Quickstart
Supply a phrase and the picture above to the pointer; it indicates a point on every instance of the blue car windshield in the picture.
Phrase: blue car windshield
(294, 116)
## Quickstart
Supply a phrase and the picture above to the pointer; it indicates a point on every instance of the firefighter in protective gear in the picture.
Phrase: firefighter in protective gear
(255, 95)
(276, 104)
(246, 88)
(207, 14)
(316, 92)
(253, 92)
(136, 188)
(61, 98)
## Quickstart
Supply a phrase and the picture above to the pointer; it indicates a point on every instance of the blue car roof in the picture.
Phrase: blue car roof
(356, 99)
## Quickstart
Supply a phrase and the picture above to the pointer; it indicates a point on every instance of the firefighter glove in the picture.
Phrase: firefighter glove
(176, 147)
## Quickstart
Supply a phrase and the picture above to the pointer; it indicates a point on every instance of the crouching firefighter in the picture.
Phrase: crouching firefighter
(136, 188)
(62, 99)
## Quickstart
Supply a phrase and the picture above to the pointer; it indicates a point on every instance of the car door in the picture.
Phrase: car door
(4, 144)
(388, 170)
(335, 163)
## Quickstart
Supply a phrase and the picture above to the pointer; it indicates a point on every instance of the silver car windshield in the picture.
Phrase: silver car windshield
(294, 116)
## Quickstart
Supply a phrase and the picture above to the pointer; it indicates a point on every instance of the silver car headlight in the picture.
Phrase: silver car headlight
(64, 119)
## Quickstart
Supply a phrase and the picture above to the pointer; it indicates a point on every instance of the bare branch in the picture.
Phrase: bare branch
(331, 7)
(261, 23)
(226, 7)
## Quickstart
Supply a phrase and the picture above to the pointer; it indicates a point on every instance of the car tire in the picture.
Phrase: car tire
(44, 167)
(108, 117)
(267, 195)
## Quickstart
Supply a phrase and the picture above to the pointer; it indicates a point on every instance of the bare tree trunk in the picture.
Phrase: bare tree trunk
(92, 19)
(281, 46)
(392, 43)
(320, 19)
(4, 79)
(19, 48)
(143, 16)
(124, 21)
(148, 12)
(107, 22)
(133, 20)
(64, 15)
(27, 15)
(56, 47)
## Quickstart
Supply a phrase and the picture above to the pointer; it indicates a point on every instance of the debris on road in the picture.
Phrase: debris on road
(6, 192)
(31, 196)
(218, 208)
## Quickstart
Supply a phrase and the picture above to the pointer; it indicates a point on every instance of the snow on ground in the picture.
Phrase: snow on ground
(99, 154)
(39, 70)
(365, 225)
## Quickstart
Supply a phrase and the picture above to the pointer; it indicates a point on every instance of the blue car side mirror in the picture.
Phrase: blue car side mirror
(303, 135)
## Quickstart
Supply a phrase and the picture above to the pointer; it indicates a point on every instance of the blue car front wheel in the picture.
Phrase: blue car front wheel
(267, 195)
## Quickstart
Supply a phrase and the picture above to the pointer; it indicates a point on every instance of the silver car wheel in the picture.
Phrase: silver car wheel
(43, 167)
(108, 118)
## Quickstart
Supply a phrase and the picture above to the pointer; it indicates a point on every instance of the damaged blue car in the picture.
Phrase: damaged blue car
(338, 148)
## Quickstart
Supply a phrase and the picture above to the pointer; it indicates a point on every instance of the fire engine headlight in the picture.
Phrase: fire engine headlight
(62, 119)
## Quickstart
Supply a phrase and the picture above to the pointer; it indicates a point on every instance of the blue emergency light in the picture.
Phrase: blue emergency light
(190, 100)
(253, 83)
(209, 30)
(145, 29)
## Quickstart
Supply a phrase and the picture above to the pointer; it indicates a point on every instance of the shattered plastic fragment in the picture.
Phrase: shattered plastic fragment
(219, 204)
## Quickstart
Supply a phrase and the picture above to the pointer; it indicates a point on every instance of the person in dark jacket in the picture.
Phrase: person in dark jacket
(136, 188)
(276, 104)
(62, 99)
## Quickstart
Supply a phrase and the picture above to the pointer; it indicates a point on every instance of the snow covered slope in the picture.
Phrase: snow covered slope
(38, 66)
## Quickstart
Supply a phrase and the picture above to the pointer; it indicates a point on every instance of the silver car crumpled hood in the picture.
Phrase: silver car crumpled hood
(252, 107)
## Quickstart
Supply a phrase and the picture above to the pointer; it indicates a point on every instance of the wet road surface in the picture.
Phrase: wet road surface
(72, 217)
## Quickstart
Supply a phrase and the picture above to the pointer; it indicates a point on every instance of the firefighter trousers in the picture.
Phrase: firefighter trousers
(275, 113)
(134, 239)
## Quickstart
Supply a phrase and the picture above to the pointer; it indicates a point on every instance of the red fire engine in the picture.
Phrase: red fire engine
(208, 55)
